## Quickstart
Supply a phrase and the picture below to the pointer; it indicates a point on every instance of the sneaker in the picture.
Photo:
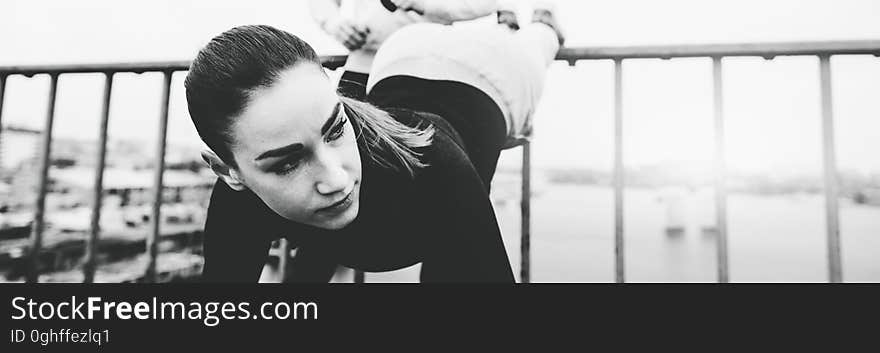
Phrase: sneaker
(544, 13)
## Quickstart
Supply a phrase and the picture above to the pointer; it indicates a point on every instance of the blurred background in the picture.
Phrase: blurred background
(776, 216)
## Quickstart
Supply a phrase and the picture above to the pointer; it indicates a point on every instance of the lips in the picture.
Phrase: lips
(338, 206)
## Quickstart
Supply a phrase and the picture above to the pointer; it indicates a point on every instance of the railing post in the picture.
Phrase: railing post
(36, 240)
(158, 188)
(526, 214)
(2, 90)
(832, 222)
(720, 172)
(283, 255)
(618, 172)
(98, 196)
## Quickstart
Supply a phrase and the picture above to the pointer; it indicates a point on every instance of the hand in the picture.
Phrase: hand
(352, 36)
(410, 5)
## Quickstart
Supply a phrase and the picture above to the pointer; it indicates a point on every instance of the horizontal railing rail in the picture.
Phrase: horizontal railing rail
(329, 61)
(766, 50)
(822, 49)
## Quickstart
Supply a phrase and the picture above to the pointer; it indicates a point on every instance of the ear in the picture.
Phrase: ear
(224, 171)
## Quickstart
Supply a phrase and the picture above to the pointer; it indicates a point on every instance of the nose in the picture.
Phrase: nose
(332, 177)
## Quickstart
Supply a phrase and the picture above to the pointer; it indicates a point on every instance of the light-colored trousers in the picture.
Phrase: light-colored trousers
(509, 66)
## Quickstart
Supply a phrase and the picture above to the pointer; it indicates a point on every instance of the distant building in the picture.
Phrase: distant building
(18, 146)
(128, 175)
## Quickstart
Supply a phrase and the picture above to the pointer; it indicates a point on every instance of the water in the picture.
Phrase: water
(772, 238)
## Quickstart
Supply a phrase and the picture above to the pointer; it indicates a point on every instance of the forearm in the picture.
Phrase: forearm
(467, 245)
(466, 262)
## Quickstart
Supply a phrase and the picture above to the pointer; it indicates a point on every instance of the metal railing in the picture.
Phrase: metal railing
(824, 50)
(108, 70)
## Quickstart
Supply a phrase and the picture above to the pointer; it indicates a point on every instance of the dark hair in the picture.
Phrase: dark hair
(241, 60)
(227, 70)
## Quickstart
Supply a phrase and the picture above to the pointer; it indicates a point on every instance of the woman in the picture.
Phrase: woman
(374, 189)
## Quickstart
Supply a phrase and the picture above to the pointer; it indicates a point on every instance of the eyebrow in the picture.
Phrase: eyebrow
(282, 151)
(296, 147)
(332, 119)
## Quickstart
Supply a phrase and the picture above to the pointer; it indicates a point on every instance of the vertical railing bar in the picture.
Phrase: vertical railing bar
(36, 240)
(283, 255)
(2, 90)
(526, 214)
(158, 188)
(618, 172)
(98, 191)
(830, 167)
(720, 172)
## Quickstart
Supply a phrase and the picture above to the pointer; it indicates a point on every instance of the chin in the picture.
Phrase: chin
(342, 220)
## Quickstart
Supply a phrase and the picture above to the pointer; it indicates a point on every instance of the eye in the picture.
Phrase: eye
(337, 131)
(286, 166)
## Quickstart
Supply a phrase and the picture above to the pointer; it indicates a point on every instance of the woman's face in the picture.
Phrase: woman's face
(295, 149)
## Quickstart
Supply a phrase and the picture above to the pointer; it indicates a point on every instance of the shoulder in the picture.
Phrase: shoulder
(448, 167)
(236, 217)
(230, 207)
(445, 161)
(446, 145)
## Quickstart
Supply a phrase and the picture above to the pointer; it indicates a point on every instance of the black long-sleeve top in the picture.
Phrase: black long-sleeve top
(441, 217)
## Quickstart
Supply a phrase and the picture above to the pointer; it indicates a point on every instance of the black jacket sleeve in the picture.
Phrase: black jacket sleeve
(467, 246)
(239, 231)
(237, 236)
(311, 264)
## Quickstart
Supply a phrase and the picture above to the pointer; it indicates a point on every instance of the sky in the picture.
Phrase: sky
(772, 108)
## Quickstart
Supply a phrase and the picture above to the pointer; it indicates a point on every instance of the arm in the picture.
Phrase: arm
(326, 14)
(311, 264)
(448, 11)
(468, 246)
(239, 231)
(235, 245)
